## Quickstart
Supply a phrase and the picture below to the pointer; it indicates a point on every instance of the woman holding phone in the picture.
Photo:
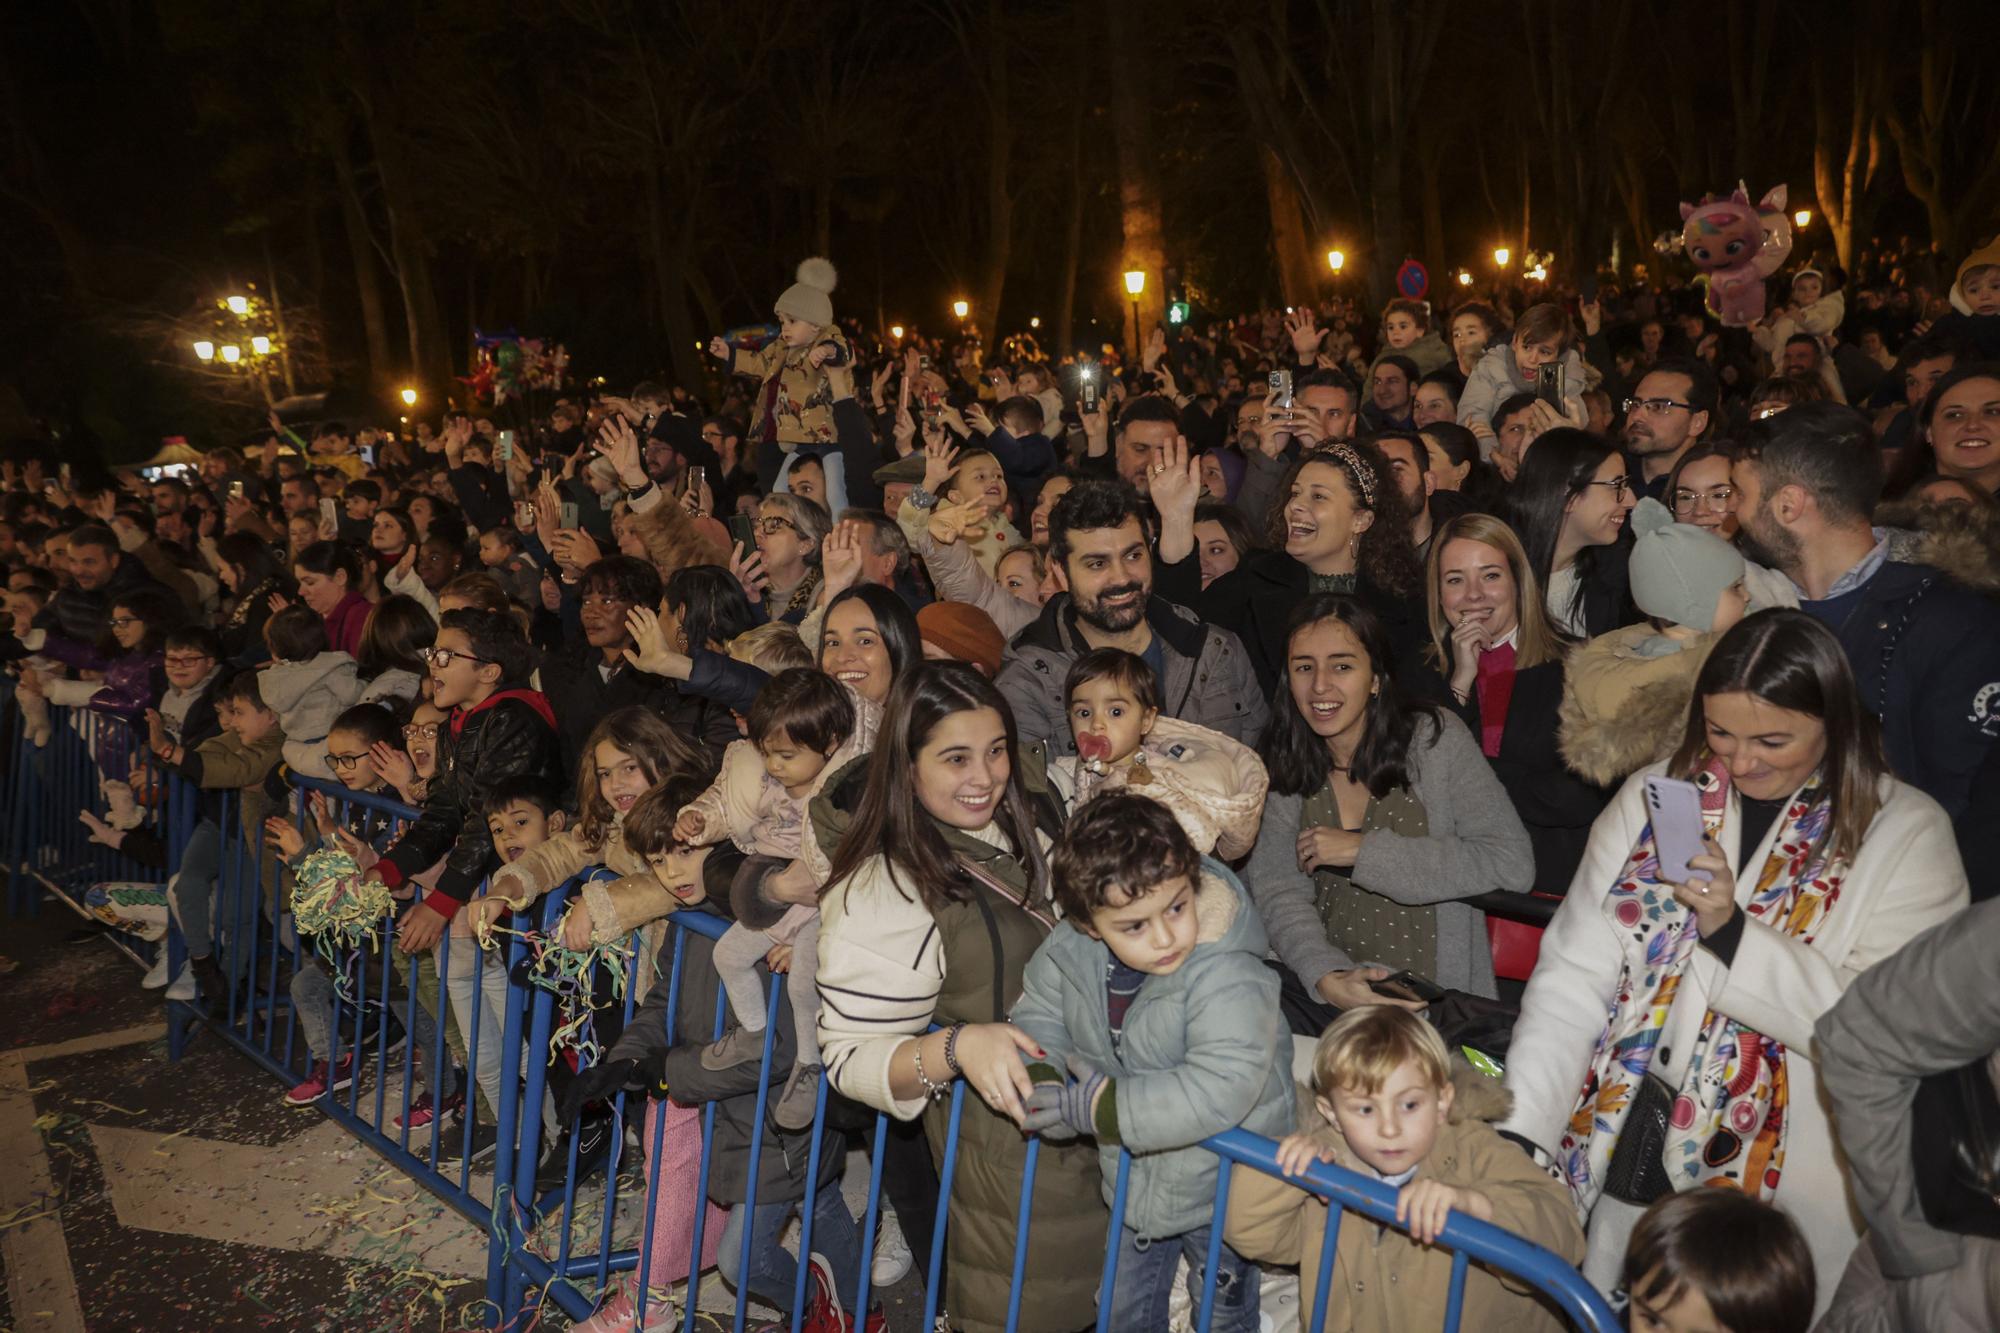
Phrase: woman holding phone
(1812, 863)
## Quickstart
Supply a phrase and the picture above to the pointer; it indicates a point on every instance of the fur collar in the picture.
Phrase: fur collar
(1958, 541)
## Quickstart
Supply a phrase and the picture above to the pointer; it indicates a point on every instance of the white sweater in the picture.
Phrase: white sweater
(1906, 878)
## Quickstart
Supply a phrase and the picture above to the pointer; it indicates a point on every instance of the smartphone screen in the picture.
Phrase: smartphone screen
(569, 514)
(1280, 395)
(504, 453)
(329, 513)
(1674, 807)
(1549, 384)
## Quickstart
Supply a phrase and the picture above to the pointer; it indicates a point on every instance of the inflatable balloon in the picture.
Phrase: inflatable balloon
(1735, 245)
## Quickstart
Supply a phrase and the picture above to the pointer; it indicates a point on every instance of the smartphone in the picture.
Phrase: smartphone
(1280, 395)
(697, 477)
(329, 513)
(743, 528)
(504, 451)
(1550, 386)
(1674, 807)
(568, 515)
(1089, 374)
(236, 490)
(367, 452)
(524, 515)
(1408, 986)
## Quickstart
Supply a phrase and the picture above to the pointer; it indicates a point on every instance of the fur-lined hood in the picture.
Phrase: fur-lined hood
(1623, 708)
(1961, 542)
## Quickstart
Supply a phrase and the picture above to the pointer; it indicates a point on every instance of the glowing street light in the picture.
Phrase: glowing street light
(1464, 278)
(1501, 254)
(232, 353)
(238, 305)
(409, 397)
(204, 350)
(1135, 281)
(961, 308)
(1802, 219)
(1336, 260)
(260, 345)
(1034, 321)
(896, 332)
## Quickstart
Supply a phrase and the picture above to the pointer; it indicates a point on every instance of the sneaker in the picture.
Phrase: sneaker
(738, 1046)
(485, 1136)
(892, 1253)
(593, 1149)
(183, 987)
(620, 1314)
(795, 1105)
(156, 975)
(422, 1112)
(320, 1080)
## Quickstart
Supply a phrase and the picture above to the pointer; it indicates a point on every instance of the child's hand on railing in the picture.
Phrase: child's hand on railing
(1423, 1206)
(1067, 1110)
(576, 926)
(364, 855)
(1296, 1152)
(420, 930)
(101, 832)
(481, 914)
(284, 836)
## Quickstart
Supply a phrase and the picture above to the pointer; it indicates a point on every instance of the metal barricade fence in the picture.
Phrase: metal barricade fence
(534, 1256)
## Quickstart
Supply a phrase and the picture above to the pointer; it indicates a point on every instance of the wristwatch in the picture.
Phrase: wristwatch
(634, 492)
(921, 498)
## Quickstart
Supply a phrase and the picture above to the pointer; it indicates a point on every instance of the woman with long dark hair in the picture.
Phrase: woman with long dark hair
(329, 575)
(250, 571)
(936, 896)
(1568, 505)
(1342, 527)
(1815, 864)
(395, 640)
(1382, 815)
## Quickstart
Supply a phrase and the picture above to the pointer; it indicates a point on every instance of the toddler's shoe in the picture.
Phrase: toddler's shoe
(740, 1046)
(800, 1098)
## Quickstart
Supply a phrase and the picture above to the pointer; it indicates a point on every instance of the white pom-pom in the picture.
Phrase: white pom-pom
(818, 274)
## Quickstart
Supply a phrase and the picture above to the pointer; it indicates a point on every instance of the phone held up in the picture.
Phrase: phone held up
(1280, 395)
(1550, 384)
(569, 515)
(1674, 807)
(1088, 396)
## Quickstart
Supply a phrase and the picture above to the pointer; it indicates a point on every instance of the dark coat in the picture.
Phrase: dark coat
(512, 733)
(582, 697)
(782, 1163)
(1256, 599)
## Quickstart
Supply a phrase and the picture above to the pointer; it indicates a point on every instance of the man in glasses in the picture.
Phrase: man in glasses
(1668, 413)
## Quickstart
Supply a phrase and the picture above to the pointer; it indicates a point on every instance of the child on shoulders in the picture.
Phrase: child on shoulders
(307, 685)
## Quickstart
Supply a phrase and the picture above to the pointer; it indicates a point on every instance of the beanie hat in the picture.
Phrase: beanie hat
(964, 631)
(1982, 258)
(1679, 571)
(811, 297)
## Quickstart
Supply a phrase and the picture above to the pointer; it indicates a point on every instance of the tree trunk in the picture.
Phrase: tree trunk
(361, 250)
(1138, 192)
(1073, 231)
(1299, 273)
(999, 194)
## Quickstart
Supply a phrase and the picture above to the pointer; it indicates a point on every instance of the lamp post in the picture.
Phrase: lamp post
(1336, 260)
(409, 397)
(1501, 254)
(1135, 286)
(896, 332)
(961, 308)
(1802, 219)
(241, 339)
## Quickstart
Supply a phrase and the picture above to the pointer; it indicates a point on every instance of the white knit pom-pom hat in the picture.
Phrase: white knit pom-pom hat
(811, 297)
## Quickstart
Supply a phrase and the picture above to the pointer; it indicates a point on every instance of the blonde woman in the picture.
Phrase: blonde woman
(1497, 661)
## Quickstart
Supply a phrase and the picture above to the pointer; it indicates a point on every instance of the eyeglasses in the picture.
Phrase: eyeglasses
(1716, 498)
(342, 760)
(187, 659)
(421, 731)
(1657, 407)
(120, 622)
(441, 658)
(771, 525)
(1618, 486)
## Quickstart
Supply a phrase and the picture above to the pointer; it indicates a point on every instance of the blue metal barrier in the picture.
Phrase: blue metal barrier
(574, 1272)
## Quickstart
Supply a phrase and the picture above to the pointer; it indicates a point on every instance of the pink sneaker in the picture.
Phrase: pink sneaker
(320, 1080)
(423, 1111)
(619, 1314)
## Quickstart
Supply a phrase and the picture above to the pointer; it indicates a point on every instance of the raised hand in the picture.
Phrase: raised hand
(1176, 482)
(965, 520)
(617, 442)
(718, 347)
(1305, 332)
(940, 461)
(840, 556)
(650, 651)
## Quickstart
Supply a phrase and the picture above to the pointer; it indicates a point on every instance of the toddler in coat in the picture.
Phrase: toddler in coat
(307, 686)
(794, 399)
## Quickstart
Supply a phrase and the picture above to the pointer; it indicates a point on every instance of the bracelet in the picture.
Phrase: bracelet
(932, 1091)
(921, 498)
(951, 1050)
(634, 492)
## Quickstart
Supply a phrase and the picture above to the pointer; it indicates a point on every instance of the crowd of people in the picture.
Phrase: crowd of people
(1092, 732)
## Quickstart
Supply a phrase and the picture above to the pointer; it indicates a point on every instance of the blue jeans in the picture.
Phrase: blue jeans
(192, 891)
(773, 1271)
(1145, 1282)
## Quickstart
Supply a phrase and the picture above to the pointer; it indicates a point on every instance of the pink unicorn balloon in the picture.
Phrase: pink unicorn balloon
(1736, 245)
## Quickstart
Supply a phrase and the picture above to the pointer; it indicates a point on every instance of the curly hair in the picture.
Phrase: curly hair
(1385, 554)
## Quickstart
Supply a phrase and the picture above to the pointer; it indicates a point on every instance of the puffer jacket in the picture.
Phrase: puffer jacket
(1429, 352)
(513, 732)
(307, 696)
(1209, 679)
(800, 403)
(1213, 784)
(782, 1165)
(1494, 380)
(1383, 1279)
(1203, 1049)
(1625, 700)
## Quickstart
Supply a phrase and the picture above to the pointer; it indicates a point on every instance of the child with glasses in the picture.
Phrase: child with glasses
(307, 685)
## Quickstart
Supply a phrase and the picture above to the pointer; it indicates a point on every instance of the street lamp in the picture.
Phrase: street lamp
(1464, 278)
(204, 350)
(1802, 219)
(1135, 284)
(961, 308)
(409, 397)
(896, 332)
(1336, 260)
(1501, 254)
(260, 345)
(238, 305)
(1034, 321)
(232, 353)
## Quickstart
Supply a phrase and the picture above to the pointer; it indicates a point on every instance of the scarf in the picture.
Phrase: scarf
(1728, 1122)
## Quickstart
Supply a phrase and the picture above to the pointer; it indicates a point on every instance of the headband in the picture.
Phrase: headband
(1364, 475)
